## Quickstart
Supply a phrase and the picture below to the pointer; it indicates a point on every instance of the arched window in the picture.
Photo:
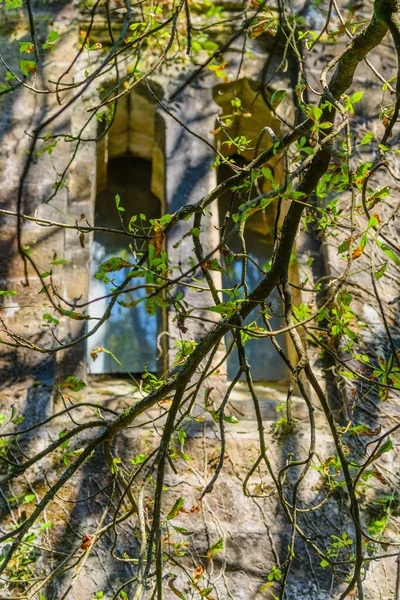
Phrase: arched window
(244, 115)
(125, 170)
(266, 365)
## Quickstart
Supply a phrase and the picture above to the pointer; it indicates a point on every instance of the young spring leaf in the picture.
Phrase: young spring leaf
(116, 263)
(324, 563)
(381, 271)
(389, 252)
(356, 97)
(176, 509)
(182, 530)
(277, 97)
(136, 460)
(388, 445)
(27, 66)
(215, 548)
(368, 137)
(73, 383)
(7, 293)
(117, 203)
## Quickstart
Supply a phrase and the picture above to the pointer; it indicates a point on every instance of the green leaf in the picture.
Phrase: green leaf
(386, 447)
(131, 222)
(265, 587)
(277, 98)
(176, 509)
(276, 572)
(50, 319)
(215, 548)
(71, 313)
(348, 374)
(356, 97)
(114, 465)
(174, 589)
(136, 25)
(53, 36)
(45, 288)
(343, 247)
(73, 383)
(10, 4)
(196, 45)
(28, 498)
(389, 252)
(165, 219)
(116, 263)
(7, 293)
(368, 137)
(182, 436)
(212, 46)
(205, 592)
(231, 419)
(117, 202)
(136, 460)
(381, 271)
(184, 456)
(212, 265)
(315, 112)
(182, 530)
(58, 262)
(27, 67)
(373, 222)
(324, 563)
(27, 47)
(18, 420)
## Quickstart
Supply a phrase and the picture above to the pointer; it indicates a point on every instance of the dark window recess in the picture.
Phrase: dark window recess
(266, 364)
(130, 333)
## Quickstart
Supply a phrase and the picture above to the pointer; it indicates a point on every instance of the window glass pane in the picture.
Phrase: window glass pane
(130, 333)
(266, 364)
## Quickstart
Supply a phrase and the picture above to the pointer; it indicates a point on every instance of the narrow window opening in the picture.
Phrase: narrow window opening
(130, 333)
(265, 363)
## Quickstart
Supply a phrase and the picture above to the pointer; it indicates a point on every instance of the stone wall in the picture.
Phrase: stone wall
(253, 528)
